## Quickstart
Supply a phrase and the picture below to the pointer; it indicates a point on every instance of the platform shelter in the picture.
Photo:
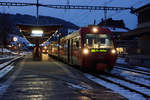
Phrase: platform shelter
(38, 34)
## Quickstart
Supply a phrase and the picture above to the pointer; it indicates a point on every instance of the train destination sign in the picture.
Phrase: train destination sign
(98, 50)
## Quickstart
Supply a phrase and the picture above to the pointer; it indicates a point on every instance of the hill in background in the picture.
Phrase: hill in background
(43, 20)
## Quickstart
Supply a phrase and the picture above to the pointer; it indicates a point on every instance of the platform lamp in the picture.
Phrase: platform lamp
(15, 39)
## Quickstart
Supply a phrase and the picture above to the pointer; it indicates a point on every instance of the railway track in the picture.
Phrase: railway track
(134, 70)
(5, 60)
(5, 66)
(132, 67)
(127, 80)
(113, 80)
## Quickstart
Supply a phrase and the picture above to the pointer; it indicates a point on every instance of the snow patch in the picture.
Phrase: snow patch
(130, 85)
(121, 61)
(117, 89)
(139, 78)
(4, 71)
(79, 86)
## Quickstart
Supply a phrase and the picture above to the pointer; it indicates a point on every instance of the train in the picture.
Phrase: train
(44, 49)
(91, 47)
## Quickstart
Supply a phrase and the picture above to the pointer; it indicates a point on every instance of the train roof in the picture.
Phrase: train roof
(73, 34)
(85, 30)
(101, 30)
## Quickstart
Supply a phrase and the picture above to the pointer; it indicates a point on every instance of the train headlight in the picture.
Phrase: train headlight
(85, 51)
(95, 29)
(113, 51)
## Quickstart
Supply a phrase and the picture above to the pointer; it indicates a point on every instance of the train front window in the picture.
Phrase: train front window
(98, 41)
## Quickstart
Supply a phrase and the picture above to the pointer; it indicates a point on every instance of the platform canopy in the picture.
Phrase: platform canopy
(38, 34)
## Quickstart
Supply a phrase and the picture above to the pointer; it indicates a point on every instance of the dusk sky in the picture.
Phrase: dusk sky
(81, 17)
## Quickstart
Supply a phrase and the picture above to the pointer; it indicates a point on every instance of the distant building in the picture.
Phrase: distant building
(140, 54)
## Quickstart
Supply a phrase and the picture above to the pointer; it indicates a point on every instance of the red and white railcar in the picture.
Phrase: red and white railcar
(91, 47)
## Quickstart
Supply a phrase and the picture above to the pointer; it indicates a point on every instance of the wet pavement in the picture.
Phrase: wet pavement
(52, 80)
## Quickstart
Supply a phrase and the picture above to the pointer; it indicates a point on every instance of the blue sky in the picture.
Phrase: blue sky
(81, 17)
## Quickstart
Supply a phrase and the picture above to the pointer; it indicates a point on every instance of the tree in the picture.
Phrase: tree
(6, 28)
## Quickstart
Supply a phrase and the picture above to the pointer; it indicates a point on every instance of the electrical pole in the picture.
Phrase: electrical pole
(37, 11)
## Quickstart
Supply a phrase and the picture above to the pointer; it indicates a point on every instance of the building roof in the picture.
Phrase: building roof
(137, 32)
(117, 29)
(145, 7)
(114, 24)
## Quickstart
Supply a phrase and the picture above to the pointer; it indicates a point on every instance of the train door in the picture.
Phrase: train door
(76, 50)
(71, 48)
(68, 51)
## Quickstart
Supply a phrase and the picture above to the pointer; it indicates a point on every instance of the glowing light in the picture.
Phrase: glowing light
(37, 33)
(15, 39)
(97, 50)
(113, 51)
(45, 47)
(85, 51)
(95, 29)
(9, 46)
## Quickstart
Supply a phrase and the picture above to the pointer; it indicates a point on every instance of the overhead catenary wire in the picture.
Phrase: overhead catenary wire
(90, 8)
(133, 5)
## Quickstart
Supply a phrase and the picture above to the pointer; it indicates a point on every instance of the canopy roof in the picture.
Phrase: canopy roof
(48, 30)
(145, 7)
(137, 32)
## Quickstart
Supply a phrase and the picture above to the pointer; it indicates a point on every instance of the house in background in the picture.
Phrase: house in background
(140, 54)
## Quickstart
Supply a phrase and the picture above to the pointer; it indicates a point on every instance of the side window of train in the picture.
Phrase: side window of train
(76, 42)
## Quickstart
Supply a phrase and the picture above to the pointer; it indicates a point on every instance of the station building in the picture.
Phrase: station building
(140, 53)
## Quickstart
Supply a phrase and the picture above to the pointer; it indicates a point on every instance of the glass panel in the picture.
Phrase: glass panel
(98, 41)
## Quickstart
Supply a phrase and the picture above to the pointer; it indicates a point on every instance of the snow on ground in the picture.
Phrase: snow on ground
(129, 95)
(4, 50)
(121, 61)
(6, 57)
(143, 68)
(8, 82)
(4, 64)
(79, 86)
(132, 70)
(4, 71)
(140, 78)
(130, 85)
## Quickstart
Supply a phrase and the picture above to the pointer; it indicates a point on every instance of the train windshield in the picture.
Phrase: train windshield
(98, 41)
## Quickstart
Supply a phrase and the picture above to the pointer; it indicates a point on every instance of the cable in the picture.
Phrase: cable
(107, 2)
(119, 12)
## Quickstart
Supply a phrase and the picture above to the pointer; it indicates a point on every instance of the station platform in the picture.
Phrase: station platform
(52, 80)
